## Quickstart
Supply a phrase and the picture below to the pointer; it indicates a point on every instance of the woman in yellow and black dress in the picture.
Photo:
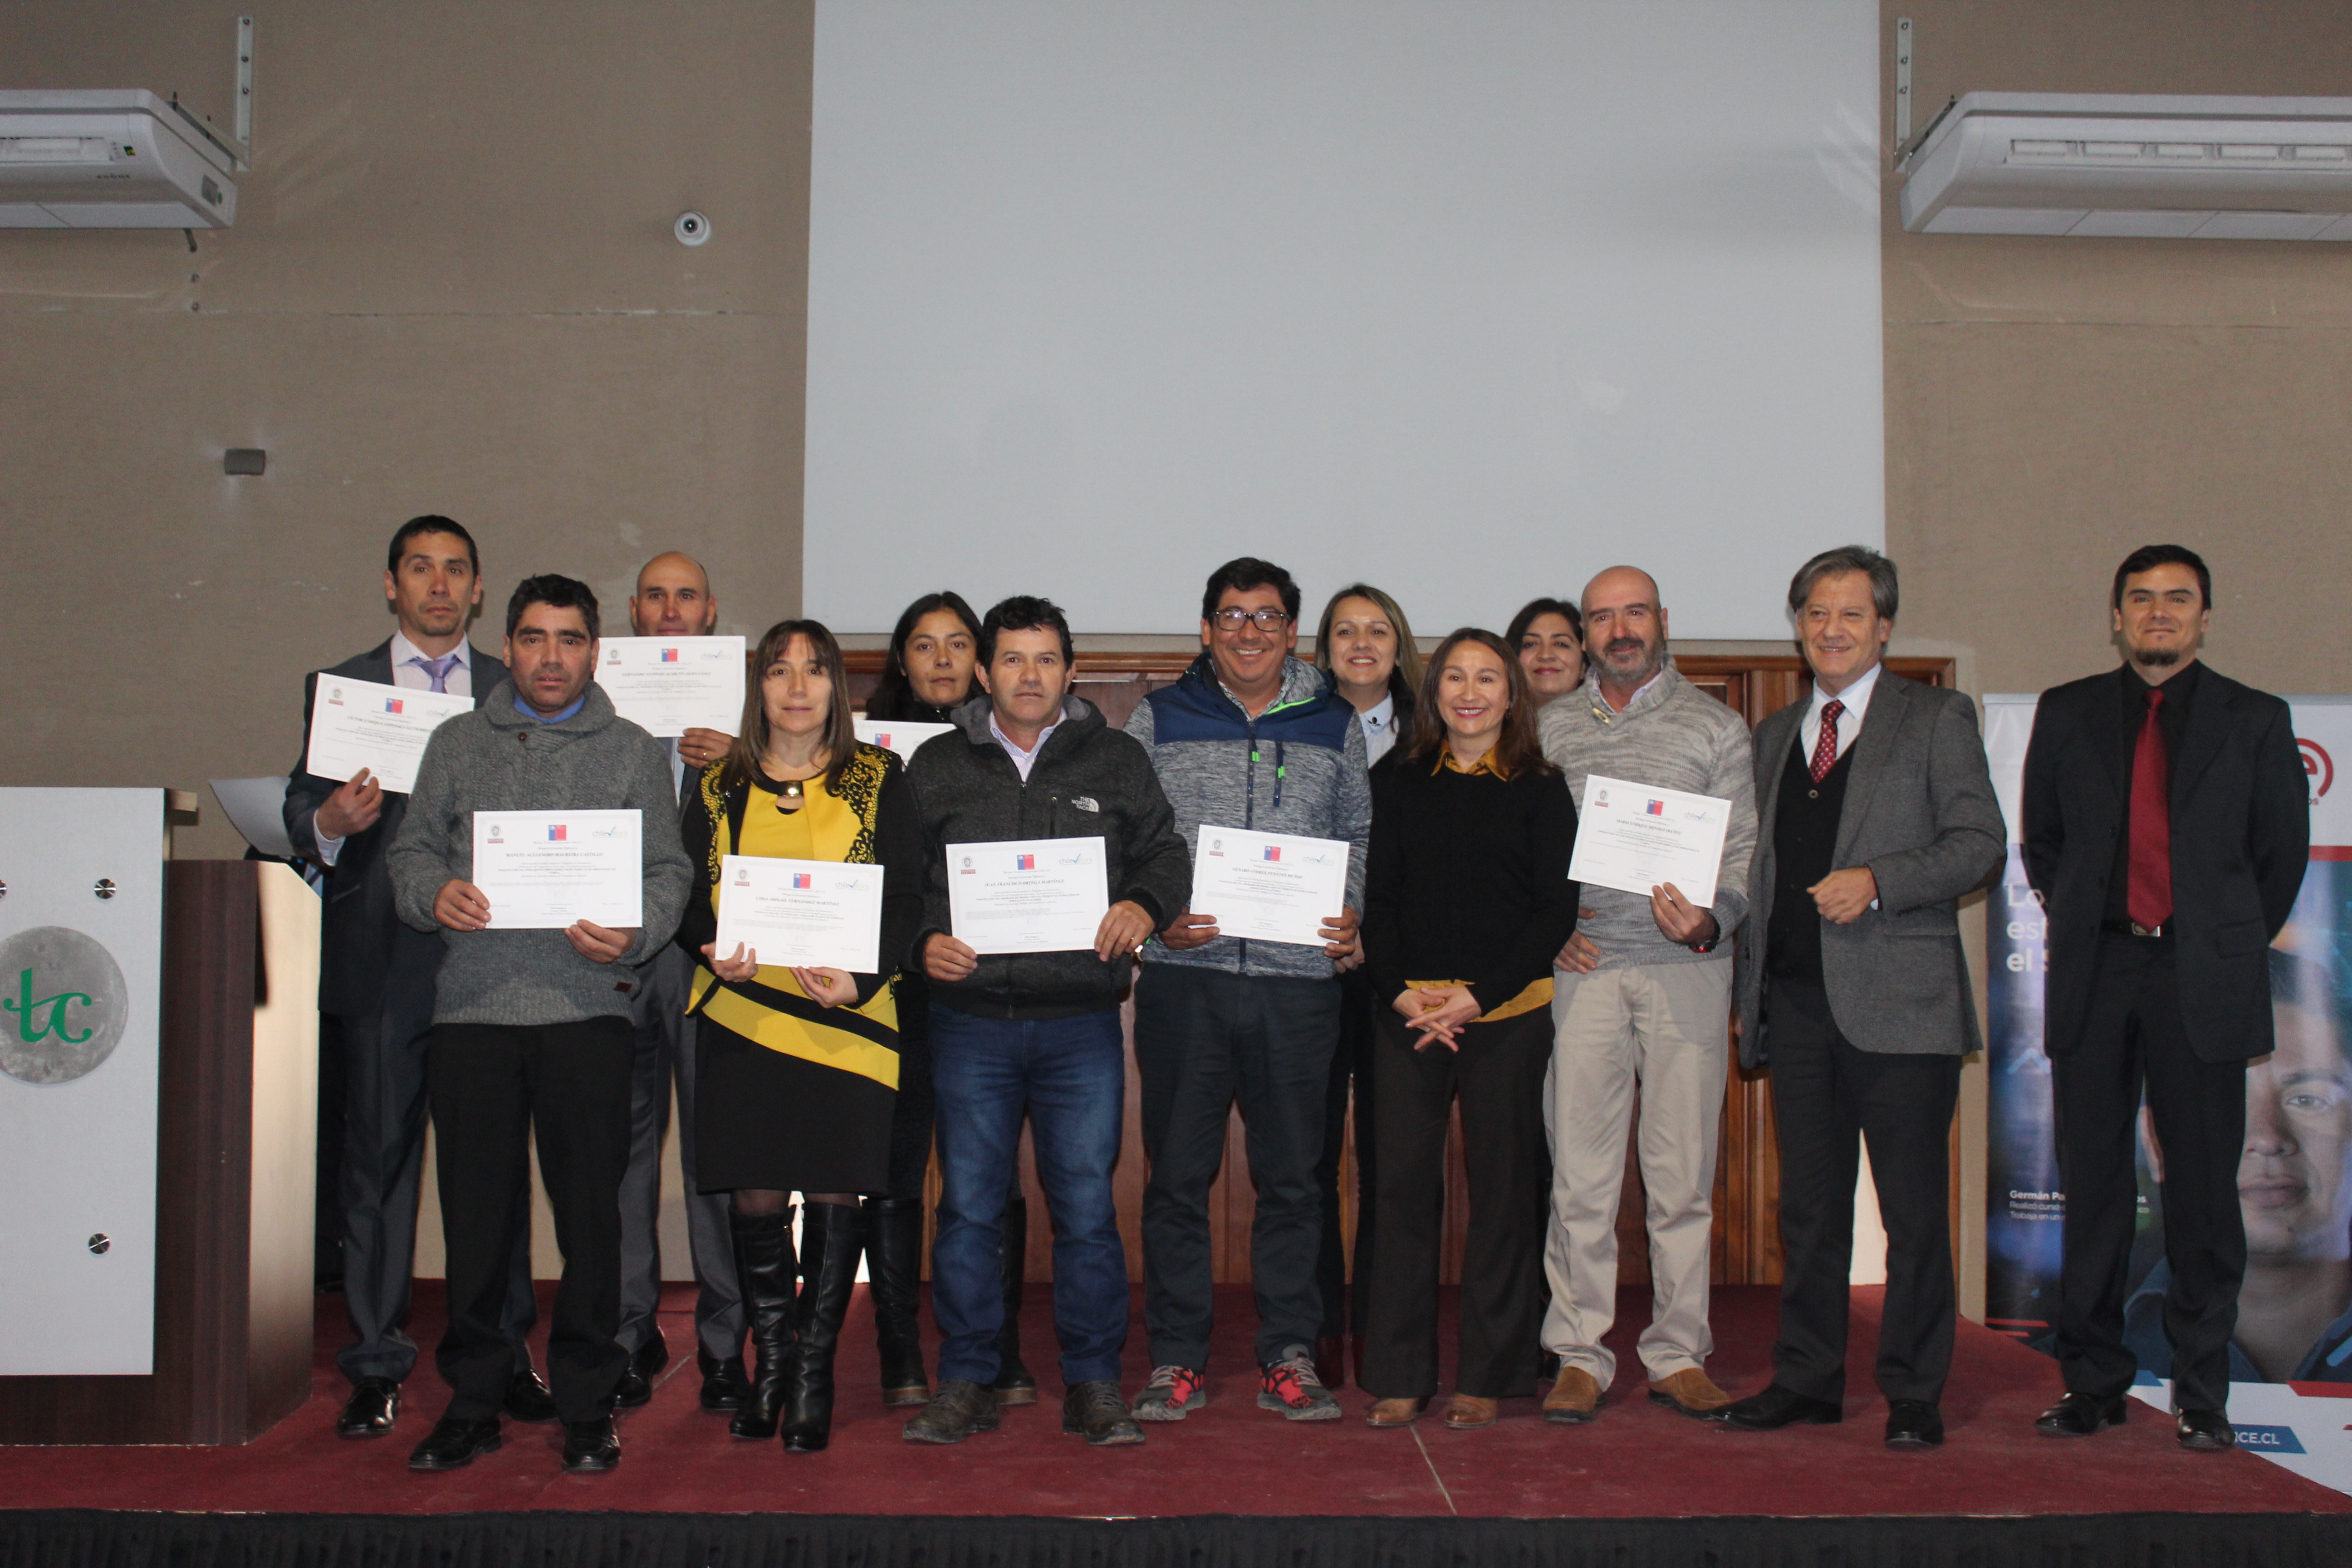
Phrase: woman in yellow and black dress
(800, 1067)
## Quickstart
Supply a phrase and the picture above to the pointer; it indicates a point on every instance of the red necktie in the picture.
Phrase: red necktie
(2148, 897)
(1825, 749)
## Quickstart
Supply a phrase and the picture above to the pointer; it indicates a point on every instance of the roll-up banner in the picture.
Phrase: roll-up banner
(2290, 1364)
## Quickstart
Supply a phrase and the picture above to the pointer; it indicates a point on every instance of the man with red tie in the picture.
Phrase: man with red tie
(2165, 832)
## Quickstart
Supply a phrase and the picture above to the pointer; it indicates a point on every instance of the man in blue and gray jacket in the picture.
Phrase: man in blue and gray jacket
(1251, 738)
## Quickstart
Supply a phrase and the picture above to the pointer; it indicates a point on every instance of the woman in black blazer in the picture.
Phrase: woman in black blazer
(1467, 900)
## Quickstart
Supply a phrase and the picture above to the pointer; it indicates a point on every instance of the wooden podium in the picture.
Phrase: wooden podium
(236, 1133)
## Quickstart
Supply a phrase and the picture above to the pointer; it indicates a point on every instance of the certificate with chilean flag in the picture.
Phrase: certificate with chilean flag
(812, 914)
(1034, 895)
(1268, 887)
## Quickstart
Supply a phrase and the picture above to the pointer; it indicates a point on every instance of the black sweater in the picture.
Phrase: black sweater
(1468, 879)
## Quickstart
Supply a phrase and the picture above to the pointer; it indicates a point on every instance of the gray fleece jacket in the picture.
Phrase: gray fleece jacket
(1677, 737)
(497, 759)
(1295, 769)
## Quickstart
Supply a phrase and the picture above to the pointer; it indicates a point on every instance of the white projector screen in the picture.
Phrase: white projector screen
(1468, 300)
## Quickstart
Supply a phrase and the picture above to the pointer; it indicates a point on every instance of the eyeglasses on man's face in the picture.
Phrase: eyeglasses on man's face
(1233, 616)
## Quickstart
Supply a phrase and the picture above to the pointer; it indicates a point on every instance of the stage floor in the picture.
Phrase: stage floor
(1638, 1461)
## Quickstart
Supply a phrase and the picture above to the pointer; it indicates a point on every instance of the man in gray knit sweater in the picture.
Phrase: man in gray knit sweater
(1251, 738)
(532, 1028)
(1642, 997)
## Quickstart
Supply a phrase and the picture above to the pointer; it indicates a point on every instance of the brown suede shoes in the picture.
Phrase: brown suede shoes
(1467, 1413)
(1691, 1393)
(1574, 1399)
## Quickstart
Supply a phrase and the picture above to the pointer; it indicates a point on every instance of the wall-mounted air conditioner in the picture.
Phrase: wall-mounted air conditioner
(2134, 165)
(109, 159)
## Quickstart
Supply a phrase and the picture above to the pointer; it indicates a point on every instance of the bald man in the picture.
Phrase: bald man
(1641, 999)
(674, 599)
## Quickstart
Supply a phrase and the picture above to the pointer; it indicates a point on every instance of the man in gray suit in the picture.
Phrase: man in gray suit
(1877, 812)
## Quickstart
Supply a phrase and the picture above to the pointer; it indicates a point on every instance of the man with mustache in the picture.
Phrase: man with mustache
(1641, 998)
(2166, 830)
(1026, 760)
(375, 993)
(674, 600)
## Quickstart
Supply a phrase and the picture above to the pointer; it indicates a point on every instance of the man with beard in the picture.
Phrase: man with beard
(1641, 998)
(674, 600)
(2166, 830)
(2295, 1193)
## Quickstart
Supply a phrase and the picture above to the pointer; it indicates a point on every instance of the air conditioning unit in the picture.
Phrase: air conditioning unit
(110, 159)
(2134, 165)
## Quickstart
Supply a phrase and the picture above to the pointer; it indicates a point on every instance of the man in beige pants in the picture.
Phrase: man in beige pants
(1641, 999)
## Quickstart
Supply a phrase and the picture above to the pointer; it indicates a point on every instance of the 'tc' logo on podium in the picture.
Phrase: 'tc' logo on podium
(63, 1004)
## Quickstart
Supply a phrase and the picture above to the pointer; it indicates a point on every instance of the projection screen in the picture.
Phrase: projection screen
(1469, 299)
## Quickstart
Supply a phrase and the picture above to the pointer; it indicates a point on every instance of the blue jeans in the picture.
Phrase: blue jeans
(1071, 1075)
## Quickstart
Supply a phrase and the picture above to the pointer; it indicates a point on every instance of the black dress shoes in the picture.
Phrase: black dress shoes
(724, 1384)
(528, 1399)
(636, 1384)
(454, 1443)
(1914, 1423)
(1777, 1407)
(373, 1406)
(591, 1446)
(2079, 1414)
(2206, 1431)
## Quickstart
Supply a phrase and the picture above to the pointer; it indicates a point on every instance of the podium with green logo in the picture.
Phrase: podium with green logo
(158, 1071)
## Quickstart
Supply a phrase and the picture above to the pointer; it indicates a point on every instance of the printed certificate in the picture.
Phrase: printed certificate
(1634, 838)
(671, 685)
(892, 736)
(815, 914)
(543, 869)
(358, 724)
(1266, 887)
(1030, 894)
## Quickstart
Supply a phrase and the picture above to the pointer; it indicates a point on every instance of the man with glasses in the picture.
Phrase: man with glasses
(1251, 738)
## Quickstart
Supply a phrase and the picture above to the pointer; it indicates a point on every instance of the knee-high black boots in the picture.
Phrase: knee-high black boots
(763, 1263)
(1013, 1385)
(831, 1237)
(894, 1255)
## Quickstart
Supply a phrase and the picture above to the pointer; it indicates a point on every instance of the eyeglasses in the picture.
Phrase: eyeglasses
(1231, 618)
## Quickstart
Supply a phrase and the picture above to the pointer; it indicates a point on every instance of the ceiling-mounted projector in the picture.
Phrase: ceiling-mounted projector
(2135, 165)
(109, 159)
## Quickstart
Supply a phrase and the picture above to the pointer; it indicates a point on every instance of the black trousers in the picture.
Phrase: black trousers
(1351, 1073)
(1499, 1074)
(493, 1088)
(1203, 1038)
(1828, 1094)
(2132, 1043)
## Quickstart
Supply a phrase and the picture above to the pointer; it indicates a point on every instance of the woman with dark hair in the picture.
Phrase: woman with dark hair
(1366, 648)
(1466, 902)
(932, 652)
(929, 675)
(1548, 637)
(799, 1066)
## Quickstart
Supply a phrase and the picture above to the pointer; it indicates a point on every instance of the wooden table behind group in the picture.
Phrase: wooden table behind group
(1748, 1177)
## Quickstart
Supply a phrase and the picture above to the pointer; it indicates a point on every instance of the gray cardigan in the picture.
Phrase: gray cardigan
(496, 758)
(1921, 813)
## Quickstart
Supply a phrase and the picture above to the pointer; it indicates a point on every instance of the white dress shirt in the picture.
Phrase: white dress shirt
(1023, 760)
(1379, 723)
(415, 678)
(1857, 699)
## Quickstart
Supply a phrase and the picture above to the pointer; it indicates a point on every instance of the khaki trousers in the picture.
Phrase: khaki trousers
(1666, 1029)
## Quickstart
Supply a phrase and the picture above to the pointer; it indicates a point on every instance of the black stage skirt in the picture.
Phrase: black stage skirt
(765, 1119)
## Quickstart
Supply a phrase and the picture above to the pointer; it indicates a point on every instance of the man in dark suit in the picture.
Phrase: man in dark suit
(2165, 832)
(375, 982)
(1877, 813)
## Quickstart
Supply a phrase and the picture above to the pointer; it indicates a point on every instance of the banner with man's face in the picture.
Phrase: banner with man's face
(2293, 1347)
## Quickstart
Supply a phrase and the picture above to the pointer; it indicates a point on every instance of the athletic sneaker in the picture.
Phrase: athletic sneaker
(1173, 1393)
(1291, 1386)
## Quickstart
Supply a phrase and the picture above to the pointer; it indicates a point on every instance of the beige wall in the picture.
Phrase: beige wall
(2053, 403)
(451, 288)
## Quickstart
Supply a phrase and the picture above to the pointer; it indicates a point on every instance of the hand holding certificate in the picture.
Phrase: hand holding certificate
(1032, 895)
(1637, 838)
(546, 870)
(1268, 887)
(671, 685)
(807, 914)
(358, 724)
